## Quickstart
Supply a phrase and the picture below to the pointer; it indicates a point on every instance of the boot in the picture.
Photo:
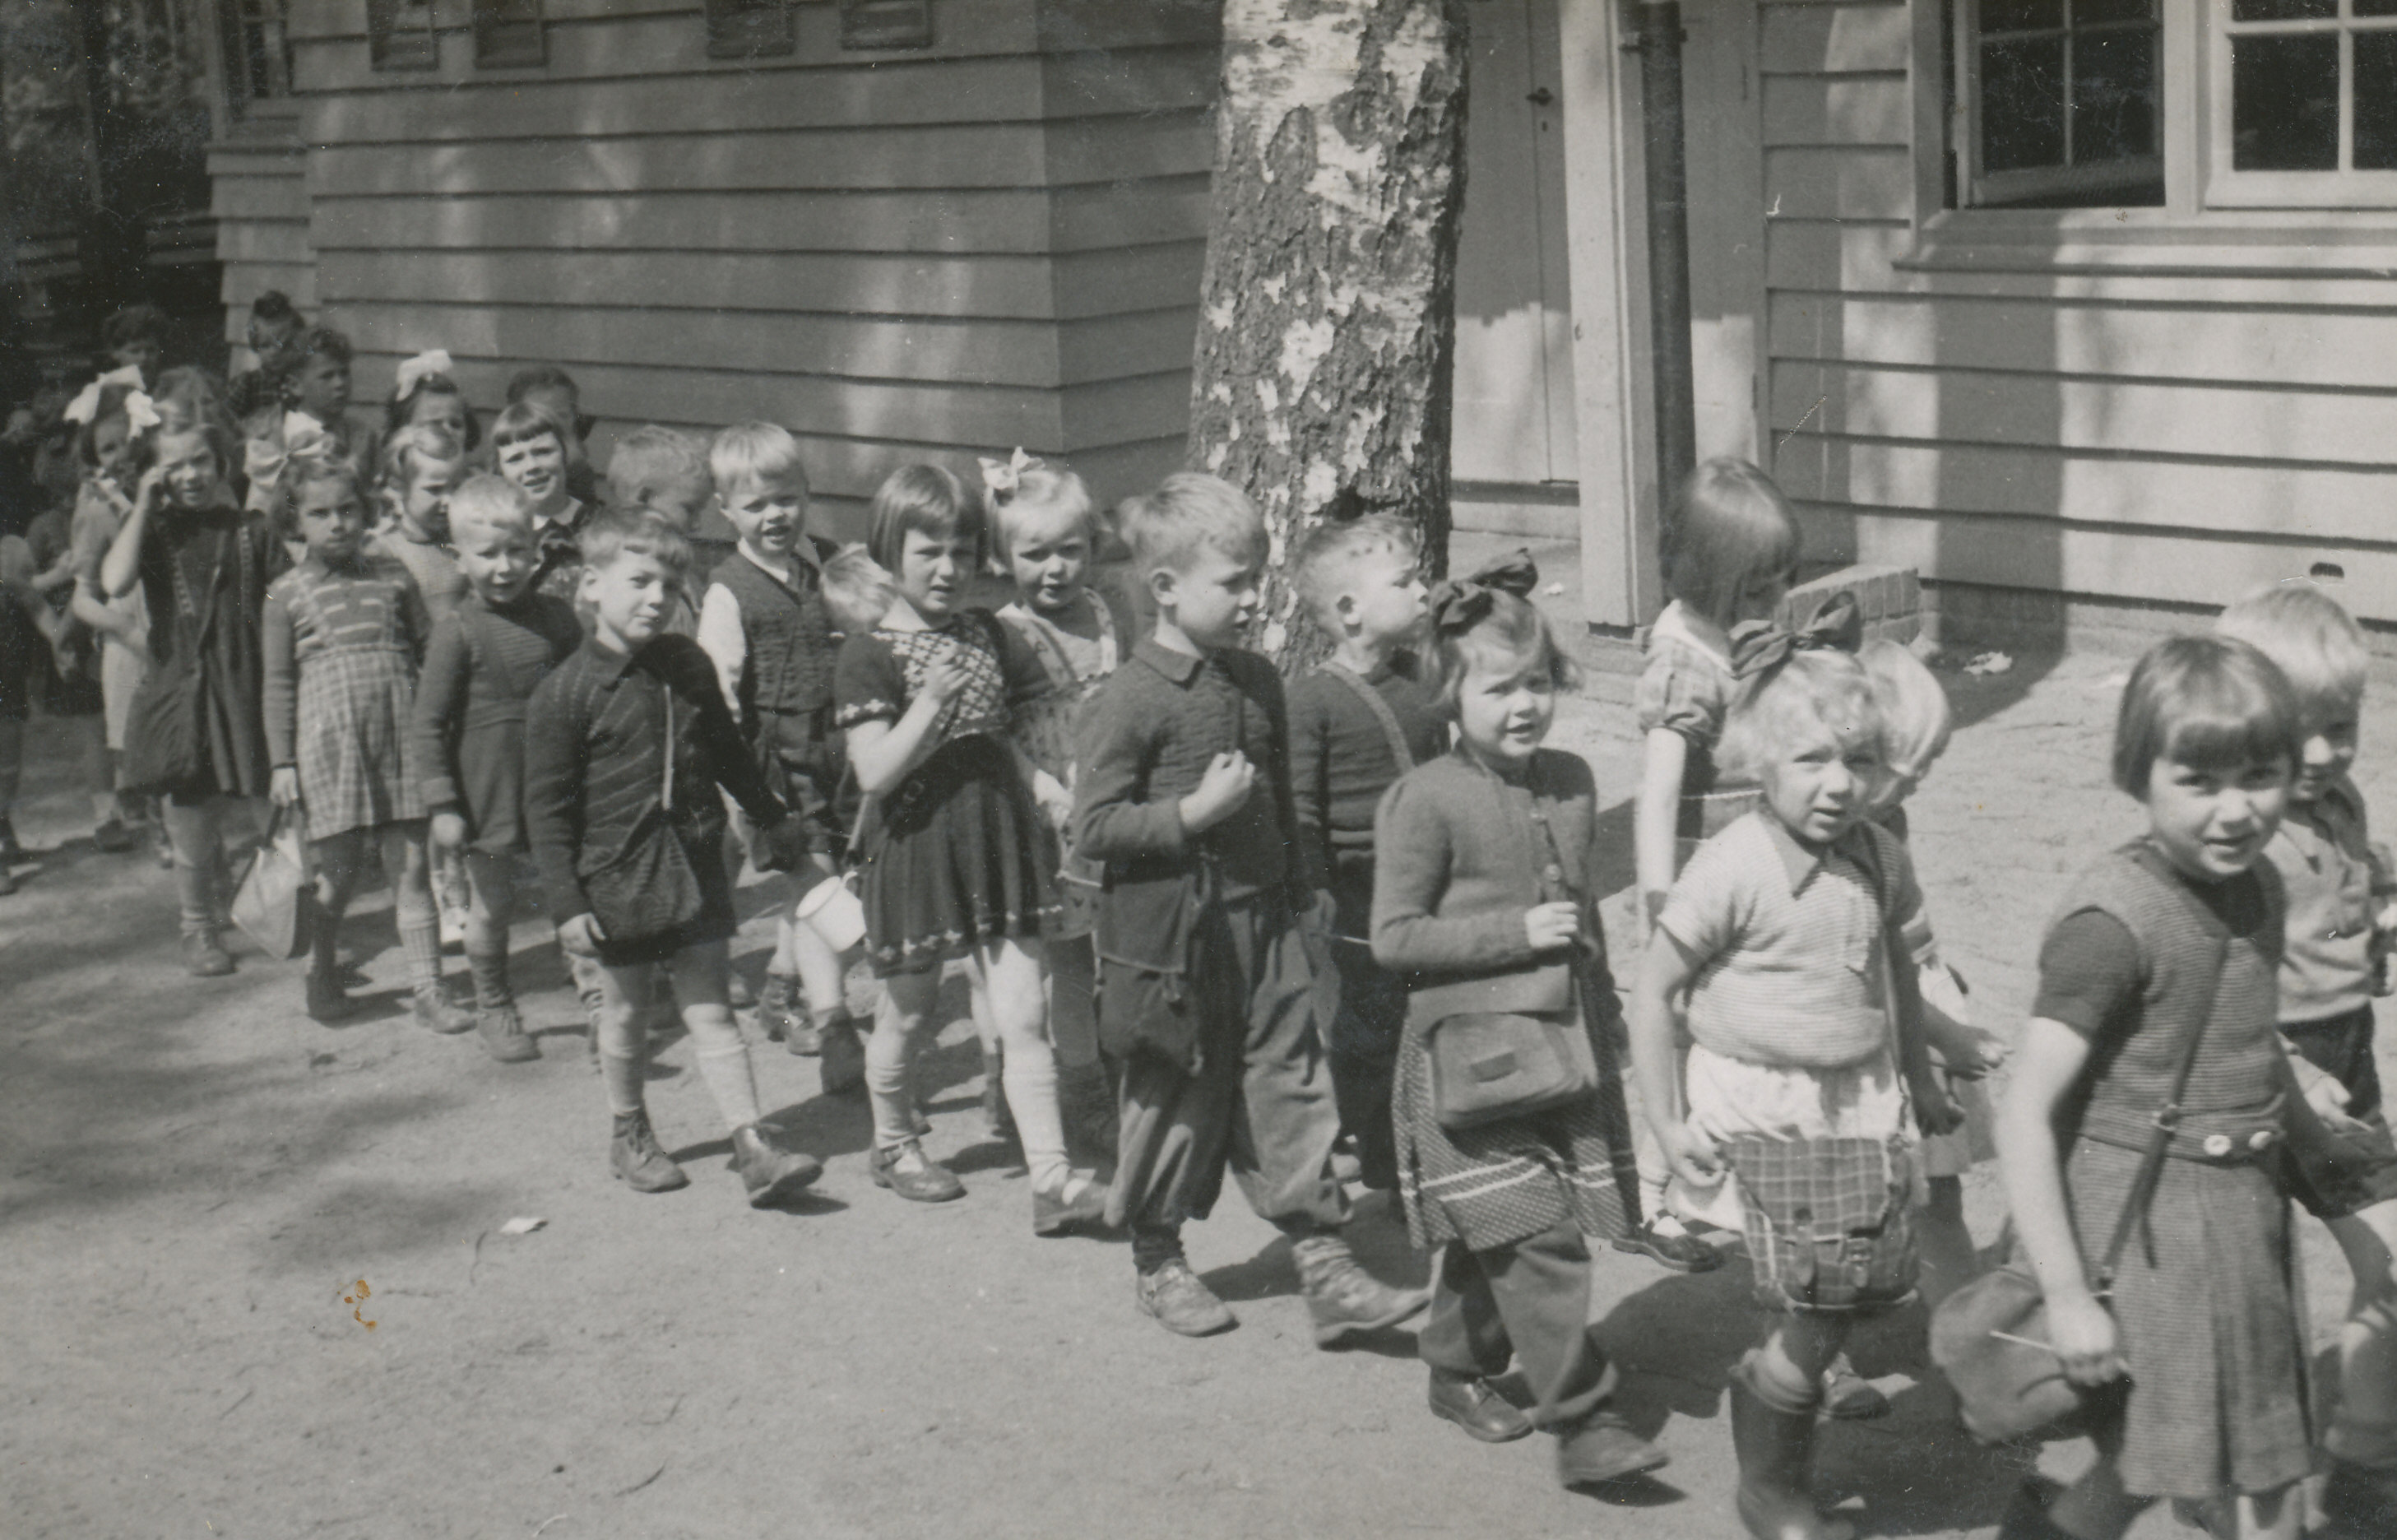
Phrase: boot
(433, 1011)
(206, 956)
(638, 1161)
(503, 1036)
(1178, 1300)
(783, 1014)
(326, 1001)
(770, 1173)
(843, 1064)
(1776, 1452)
(1343, 1299)
(908, 1170)
(997, 1120)
(1086, 1093)
(1469, 1402)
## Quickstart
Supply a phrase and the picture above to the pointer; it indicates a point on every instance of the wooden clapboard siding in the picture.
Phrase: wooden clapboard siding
(258, 194)
(900, 255)
(2168, 419)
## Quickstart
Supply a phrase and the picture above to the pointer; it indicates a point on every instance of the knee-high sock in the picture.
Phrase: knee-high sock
(889, 1054)
(724, 1062)
(1030, 1075)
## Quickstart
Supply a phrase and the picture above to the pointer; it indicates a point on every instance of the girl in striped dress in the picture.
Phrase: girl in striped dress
(2179, 933)
(344, 631)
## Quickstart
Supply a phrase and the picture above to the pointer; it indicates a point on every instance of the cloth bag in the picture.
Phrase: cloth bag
(1990, 1337)
(648, 887)
(163, 726)
(270, 905)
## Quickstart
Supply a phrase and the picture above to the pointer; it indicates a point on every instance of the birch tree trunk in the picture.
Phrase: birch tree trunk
(1327, 332)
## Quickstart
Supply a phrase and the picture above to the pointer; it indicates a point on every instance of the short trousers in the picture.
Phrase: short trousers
(806, 761)
(2334, 1175)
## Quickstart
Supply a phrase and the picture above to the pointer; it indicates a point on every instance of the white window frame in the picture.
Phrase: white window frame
(1978, 188)
(2226, 188)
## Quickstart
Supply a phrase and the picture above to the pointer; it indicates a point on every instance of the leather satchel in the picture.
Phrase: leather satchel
(163, 724)
(1990, 1337)
(649, 887)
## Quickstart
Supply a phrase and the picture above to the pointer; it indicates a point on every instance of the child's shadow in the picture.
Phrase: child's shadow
(1914, 1471)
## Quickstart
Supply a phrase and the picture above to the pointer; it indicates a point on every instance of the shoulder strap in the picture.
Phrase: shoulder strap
(1052, 656)
(2151, 1159)
(1399, 752)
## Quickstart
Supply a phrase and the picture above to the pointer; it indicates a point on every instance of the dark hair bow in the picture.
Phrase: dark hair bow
(1460, 604)
(1758, 647)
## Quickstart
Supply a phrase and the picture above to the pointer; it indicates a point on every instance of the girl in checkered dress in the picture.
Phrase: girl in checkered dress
(1805, 1076)
(343, 634)
(2201, 1337)
(956, 860)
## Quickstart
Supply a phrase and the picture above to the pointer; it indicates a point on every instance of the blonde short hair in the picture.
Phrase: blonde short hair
(485, 501)
(1328, 556)
(651, 457)
(2309, 635)
(755, 451)
(422, 444)
(857, 589)
(1190, 511)
(1041, 488)
(1915, 718)
(1769, 711)
(634, 531)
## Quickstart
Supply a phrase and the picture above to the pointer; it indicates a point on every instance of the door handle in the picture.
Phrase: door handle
(1542, 98)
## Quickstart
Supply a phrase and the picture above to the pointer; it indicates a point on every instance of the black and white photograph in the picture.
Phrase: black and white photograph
(907, 769)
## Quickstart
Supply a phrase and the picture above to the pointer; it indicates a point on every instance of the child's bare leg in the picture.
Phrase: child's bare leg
(903, 1017)
(490, 904)
(1943, 1242)
(2364, 1429)
(620, 1004)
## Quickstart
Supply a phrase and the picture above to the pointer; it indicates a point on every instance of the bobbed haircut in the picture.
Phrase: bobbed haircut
(745, 451)
(929, 499)
(274, 306)
(2210, 702)
(634, 531)
(537, 376)
(486, 500)
(1191, 510)
(1819, 687)
(2309, 635)
(1327, 559)
(182, 421)
(409, 448)
(1730, 526)
(1516, 631)
(1040, 488)
(401, 413)
(143, 323)
(857, 589)
(192, 383)
(303, 472)
(1916, 720)
(522, 421)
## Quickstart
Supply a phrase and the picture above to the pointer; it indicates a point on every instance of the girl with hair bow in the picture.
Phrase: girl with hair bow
(424, 391)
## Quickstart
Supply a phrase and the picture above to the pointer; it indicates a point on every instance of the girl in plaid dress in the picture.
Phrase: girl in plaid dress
(957, 866)
(1805, 1075)
(343, 634)
(2179, 933)
(1484, 857)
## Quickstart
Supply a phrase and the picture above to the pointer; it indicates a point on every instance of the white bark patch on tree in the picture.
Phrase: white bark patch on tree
(1331, 270)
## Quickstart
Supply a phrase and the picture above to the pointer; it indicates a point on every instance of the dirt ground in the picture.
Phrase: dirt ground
(195, 1182)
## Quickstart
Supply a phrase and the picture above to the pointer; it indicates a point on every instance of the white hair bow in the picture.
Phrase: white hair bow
(424, 365)
(1001, 477)
(87, 403)
(141, 412)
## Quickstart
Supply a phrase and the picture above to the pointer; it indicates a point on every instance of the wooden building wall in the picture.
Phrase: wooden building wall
(2108, 415)
(900, 255)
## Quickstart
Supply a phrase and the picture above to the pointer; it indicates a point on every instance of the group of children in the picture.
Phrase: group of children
(1341, 926)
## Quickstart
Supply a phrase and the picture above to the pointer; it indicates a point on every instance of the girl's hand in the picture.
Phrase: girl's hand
(1987, 1057)
(1053, 798)
(943, 681)
(1550, 926)
(152, 489)
(284, 787)
(1692, 1155)
(2084, 1337)
(582, 935)
(449, 830)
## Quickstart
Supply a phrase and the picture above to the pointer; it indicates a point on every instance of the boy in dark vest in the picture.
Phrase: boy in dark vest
(1361, 580)
(763, 621)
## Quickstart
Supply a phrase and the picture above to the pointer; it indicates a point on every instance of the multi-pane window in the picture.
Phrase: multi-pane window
(2060, 102)
(257, 53)
(508, 34)
(749, 29)
(400, 35)
(2305, 102)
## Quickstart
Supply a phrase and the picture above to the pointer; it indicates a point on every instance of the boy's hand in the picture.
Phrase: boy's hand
(1983, 1055)
(2328, 1096)
(1550, 926)
(283, 787)
(1055, 802)
(1221, 792)
(1934, 1110)
(582, 935)
(449, 830)
(1692, 1156)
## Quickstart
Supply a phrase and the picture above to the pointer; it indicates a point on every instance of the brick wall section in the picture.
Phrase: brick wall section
(1889, 600)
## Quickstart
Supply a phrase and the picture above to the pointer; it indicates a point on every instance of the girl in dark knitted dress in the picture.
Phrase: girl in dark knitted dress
(956, 863)
(2178, 933)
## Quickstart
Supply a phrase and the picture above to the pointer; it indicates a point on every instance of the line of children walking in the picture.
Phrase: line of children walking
(1246, 925)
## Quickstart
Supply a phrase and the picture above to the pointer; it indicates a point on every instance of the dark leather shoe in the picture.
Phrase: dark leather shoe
(1601, 1447)
(842, 1068)
(1178, 1300)
(908, 1170)
(1469, 1402)
(770, 1173)
(326, 999)
(1079, 1199)
(205, 956)
(434, 1011)
(1683, 1254)
(638, 1161)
